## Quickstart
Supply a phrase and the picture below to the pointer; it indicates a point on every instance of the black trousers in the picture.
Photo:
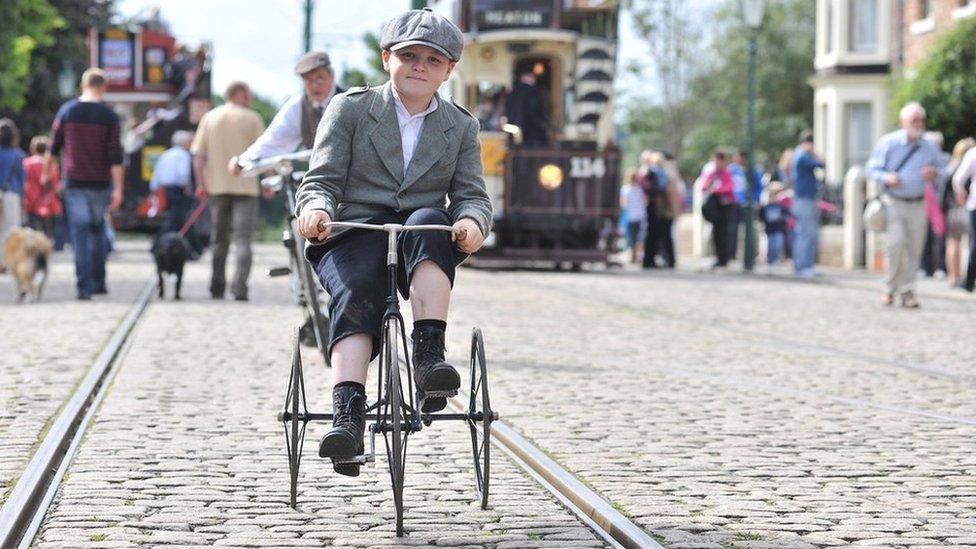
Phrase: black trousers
(933, 255)
(659, 241)
(354, 272)
(722, 233)
(650, 242)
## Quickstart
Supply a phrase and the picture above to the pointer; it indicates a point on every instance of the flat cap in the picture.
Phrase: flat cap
(311, 61)
(426, 28)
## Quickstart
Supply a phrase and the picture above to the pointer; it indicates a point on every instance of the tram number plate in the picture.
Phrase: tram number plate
(584, 167)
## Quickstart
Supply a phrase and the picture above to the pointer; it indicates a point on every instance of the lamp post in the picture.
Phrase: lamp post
(307, 44)
(752, 16)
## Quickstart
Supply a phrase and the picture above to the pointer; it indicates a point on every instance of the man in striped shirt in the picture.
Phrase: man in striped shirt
(86, 135)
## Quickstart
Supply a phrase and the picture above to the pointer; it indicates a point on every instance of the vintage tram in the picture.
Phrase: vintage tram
(157, 88)
(539, 74)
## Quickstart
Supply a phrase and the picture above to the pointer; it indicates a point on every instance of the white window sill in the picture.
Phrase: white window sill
(922, 26)
(966, 11)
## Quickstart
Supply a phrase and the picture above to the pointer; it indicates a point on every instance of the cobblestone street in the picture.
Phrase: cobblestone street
(713, 410)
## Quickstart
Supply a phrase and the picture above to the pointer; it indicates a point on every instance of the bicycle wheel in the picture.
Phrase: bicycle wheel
(480, 416)
(396, 442)
(310, 295)
(294, 416)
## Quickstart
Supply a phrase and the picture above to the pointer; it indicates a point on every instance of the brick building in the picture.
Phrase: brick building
(860, 44)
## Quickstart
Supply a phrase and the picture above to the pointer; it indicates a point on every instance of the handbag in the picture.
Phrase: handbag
(876, 212)
(710, 209)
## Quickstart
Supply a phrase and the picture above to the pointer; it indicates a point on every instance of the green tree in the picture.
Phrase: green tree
(67, 52)
(712, 102)
(784, 62)
(671, 37)
(945, 84)
(27, 24)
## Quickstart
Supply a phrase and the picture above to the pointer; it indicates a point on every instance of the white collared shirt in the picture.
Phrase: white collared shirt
(284, 134)
(967, 171)
(410, 127)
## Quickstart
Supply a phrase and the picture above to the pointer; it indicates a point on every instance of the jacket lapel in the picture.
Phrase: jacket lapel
(385, 134)
(431, 146)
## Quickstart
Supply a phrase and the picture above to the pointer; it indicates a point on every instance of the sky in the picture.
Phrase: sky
(261, 44)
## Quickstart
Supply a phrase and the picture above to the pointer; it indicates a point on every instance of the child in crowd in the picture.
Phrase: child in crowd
(774, 216)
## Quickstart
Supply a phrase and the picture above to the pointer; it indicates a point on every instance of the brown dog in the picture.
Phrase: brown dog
(27, 253)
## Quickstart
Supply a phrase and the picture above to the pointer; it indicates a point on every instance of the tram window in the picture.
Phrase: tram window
(529, 105)
(590, 19)
(490, 105)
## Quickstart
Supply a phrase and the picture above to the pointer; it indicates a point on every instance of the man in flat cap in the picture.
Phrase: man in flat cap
(294, 125)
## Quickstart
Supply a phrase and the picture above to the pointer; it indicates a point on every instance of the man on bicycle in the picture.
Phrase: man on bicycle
(296, 121)
(393, 154)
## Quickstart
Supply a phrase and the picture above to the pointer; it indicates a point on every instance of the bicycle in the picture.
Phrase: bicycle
(315, 331)
(393, 414)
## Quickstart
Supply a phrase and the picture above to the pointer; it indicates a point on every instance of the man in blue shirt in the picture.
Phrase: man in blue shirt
(902, 163)
(804, 210)
(173, 173)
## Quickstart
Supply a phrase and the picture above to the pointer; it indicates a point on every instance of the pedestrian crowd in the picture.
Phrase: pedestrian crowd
(73, 179)
(925, 194)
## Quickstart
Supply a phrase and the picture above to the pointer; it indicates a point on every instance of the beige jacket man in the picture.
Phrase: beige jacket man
(223, 133)
(356, 170)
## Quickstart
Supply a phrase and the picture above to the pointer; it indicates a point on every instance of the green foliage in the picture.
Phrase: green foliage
(354, 78)
(265, 107)
(26, 25)
(713, 106)
(945, 84)
(64, 49)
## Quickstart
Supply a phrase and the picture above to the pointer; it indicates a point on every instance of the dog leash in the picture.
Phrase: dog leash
(194, 216)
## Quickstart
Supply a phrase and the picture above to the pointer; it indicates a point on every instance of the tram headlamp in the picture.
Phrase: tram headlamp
(550, 177)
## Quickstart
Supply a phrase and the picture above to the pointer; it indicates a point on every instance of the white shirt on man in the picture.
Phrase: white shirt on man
(410, 127)
(284, 134)
(967, 172)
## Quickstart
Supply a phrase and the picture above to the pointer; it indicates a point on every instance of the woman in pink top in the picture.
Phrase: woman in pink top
(41, 200)
(719, 191)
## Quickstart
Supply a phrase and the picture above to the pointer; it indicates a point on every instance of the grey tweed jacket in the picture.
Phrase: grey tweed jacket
(356, 170)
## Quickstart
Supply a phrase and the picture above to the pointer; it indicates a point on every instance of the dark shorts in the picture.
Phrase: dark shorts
(354, 272)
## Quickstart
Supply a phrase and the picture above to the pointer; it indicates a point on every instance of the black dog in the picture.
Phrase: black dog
(171, 251)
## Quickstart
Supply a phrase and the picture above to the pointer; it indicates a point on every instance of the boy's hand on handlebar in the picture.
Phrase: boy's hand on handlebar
(468, 236)
(312, 225)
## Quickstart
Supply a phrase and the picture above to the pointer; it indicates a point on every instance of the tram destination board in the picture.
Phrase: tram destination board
(504, 14)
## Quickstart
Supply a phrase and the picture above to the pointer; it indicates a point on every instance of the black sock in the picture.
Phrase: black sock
(430, 323)
(359, 387)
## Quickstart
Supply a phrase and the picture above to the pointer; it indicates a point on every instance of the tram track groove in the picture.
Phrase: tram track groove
(592, 509)
(764, 338)
(754, 382)
(25, 508)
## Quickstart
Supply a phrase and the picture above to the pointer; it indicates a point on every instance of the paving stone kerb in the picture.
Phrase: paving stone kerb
(186, 450)
(723, 411)
(48, 347)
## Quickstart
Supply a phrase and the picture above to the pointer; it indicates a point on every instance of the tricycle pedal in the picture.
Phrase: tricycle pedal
(279, 271)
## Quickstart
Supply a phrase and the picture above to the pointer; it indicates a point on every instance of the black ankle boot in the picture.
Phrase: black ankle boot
(431, 372)
(345, 440)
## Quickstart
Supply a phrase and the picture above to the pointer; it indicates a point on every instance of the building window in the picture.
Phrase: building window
(830, 27)
(924, 9)
(858, 138)
(862, 32)
(964, 8)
